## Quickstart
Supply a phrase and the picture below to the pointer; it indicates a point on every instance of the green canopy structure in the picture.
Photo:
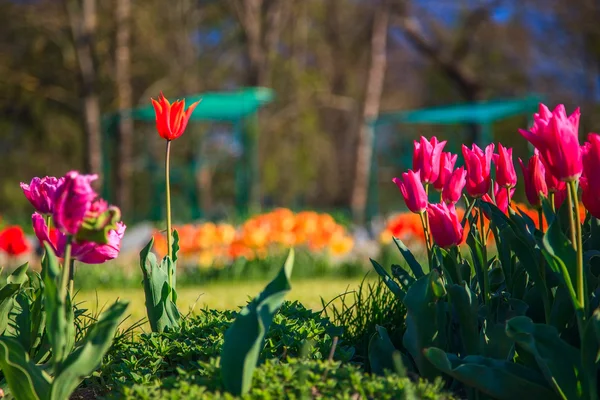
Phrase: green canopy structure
(238, 109)
(482, 114)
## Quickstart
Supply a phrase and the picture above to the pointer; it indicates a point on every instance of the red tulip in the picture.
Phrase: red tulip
(556, 137)
(535, 180)
(454, 186)
(505, 170)
(444, 224)
(447, 162)
(590, 181)
(478, 166)
(13, 241)
(426, 158)
(171, 119)
(413, 191)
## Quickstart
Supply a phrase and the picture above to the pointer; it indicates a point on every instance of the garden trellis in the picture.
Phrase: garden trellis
(238, 109)
(481, 114)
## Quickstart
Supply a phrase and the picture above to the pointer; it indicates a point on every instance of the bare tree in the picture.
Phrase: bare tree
(373, 91)
(124, 98)
(82, 18)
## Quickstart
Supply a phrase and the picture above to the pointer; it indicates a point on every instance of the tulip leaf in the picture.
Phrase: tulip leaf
(387, 279)
(381, 352)
(590, 356)
(25, 379)
(245, 337)
(499, 379)
(559, 362)
(412, 262)
(19, 275)
(466, 305)
(7, 303)
(403, 276)
(561, 257)
(87, 357)
(426, 323)
(162, 312)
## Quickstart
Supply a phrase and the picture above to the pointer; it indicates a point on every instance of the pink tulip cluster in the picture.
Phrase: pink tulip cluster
(558, 159)
(69, 202)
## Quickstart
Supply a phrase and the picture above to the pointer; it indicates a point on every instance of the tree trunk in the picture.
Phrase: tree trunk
(124, 96)
(374, 89)
(82, 18)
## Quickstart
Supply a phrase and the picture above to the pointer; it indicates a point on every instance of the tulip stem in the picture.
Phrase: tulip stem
(508, 198)
(65, 270)
(571, 220)
(425, 224)
(71, 277)
(484, 271)
(551, 199)
(169, 232)
(48, 223)
(577, 223)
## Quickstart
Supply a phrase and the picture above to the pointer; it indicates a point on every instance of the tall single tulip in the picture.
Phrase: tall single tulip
(556, 136)
(445, 225)
(535, 180)
(447, 162)
(426, 158)
(505, 169)
(413, 191)
(171, 119)
(84, 251)
(454, 186)
(590, 181)
(40, 193)
(72, 201)
(478, 166)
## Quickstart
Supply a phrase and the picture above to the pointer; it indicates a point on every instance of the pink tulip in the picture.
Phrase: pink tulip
(444, 224)
(40, 192)
(535, 180)
(447, 162)
(556, 137)
(478, 166)
(83, 251)
(590, 181)
(72, 201)
(500, 197)
(454, 186)
(426, 158)
(505, 169)
(413, 191)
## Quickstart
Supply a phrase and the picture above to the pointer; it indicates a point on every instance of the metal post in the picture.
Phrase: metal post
(241, 195)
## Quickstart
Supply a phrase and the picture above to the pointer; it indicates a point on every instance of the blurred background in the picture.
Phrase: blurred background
(308, 104)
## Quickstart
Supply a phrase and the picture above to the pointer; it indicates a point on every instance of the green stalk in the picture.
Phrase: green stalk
(551, 198)
(65, 269)
(580, 281)
(571, 220)
(71, 276)
(545, 299)
(541, 219)
(425, 224)
(48, 223)
(486, 278)
(168, 192)
(508, 197)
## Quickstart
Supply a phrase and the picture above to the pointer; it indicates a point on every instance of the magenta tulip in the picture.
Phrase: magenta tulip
(72, 201)
(556, 136)
(447, 162)
(590, 181)
(413, 191)
(426, 158)
(444, 224)
(40, 193)
(454, 186)
(505, 169)
(535, 180)
(478, 166)
(83, 251)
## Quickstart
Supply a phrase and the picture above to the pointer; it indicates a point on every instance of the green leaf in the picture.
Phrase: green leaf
(25, 380)
(412, 262)
(7, 303)
(19, 275)
(499, 379)
(477, 255)
(245, 337)
(589, 356)
(387, 279)
(87, 357)
(381, 352)
(96, 228)
(558, 361)
(403, 276)
(425, 322)
(162, 312)
(466, 305)
(59, 313)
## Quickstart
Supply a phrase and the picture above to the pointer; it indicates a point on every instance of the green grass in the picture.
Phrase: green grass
(221, 296)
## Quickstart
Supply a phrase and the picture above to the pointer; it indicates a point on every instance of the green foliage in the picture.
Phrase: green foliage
(507, 324)
(157, 358)
(245, 338)
(160, 295)
(294, 379)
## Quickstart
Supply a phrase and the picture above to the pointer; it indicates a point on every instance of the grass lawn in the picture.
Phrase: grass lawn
(220, 296)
